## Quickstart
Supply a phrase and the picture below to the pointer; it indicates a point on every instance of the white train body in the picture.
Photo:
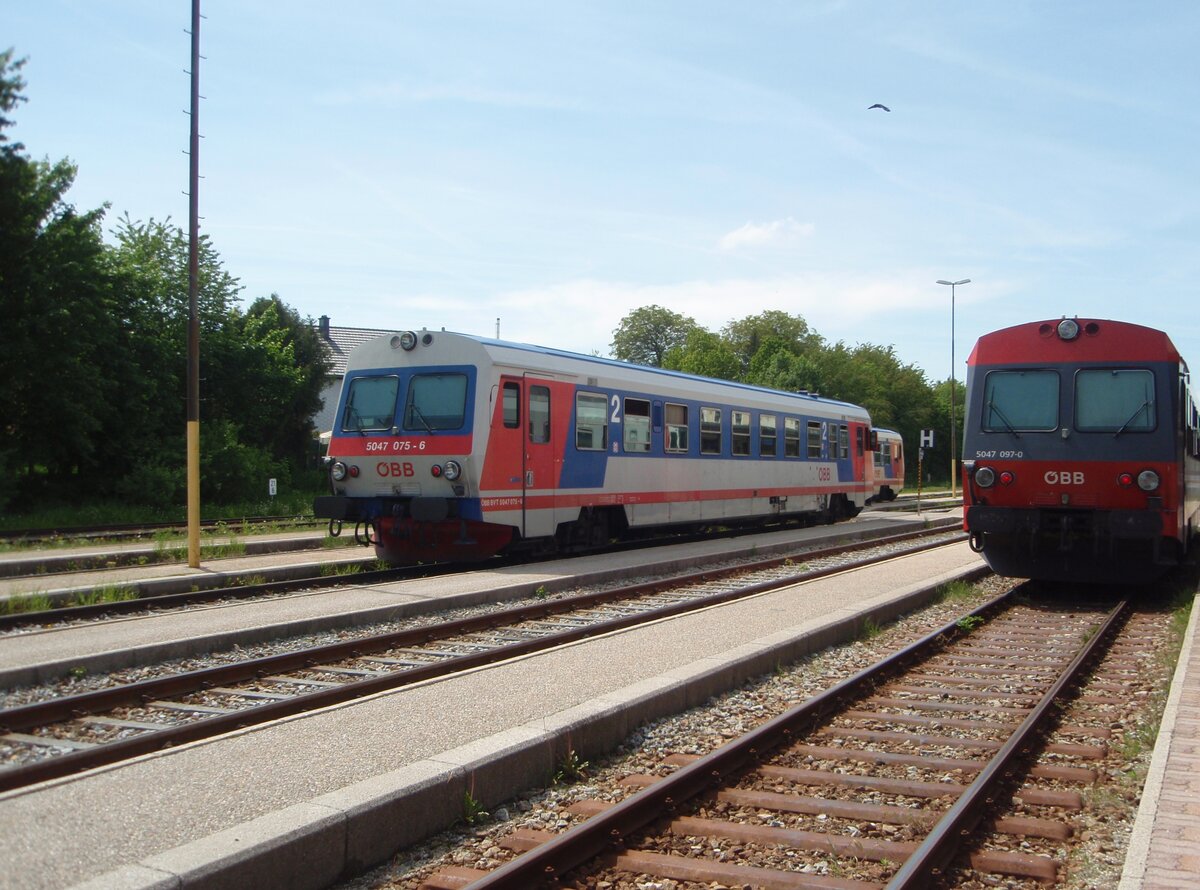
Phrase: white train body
(449, 446)
(888, 479)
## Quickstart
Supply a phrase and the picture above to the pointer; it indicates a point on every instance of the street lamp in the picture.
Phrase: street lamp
(952, 285)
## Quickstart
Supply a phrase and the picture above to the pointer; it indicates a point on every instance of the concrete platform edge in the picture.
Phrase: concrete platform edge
(1136, 859)
(346, 832)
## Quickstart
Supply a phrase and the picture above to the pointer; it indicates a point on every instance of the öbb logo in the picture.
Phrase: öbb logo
(394, 468)
(1064, 477)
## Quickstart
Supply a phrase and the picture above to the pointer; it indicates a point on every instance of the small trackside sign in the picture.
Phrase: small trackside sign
(926, 438)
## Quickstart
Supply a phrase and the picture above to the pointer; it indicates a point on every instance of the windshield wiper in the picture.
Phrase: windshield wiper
(992, 407)
(414, 410)
(1140, 408)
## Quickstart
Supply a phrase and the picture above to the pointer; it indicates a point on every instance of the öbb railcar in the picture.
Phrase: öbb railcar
(888, 479)
(1080, 452)
(453, 447)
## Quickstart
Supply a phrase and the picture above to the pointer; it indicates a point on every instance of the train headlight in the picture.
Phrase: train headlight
(453, 470)
(1148, 480)
(1068, 329)
(985, 477)
(406, 341)
(338, 471)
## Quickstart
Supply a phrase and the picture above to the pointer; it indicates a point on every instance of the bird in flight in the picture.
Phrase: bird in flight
(877, 105)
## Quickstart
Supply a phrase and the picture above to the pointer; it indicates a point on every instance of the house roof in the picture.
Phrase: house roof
(339, 341)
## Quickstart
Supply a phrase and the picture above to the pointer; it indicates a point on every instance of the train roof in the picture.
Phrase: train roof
(495, 349)
(1097, 340)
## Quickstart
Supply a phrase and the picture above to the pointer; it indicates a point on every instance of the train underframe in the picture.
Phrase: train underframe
(425, 530)
(1095, 546)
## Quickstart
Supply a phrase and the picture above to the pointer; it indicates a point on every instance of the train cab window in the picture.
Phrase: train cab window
(1020, 401)
(637, 425)
(371, 404)
(710, 430)
(436, 402)
(539, 414)
(677, 428)
(843, 441)
(791, 437)
(1115, 400)
(766, 435)
(740, 428)
(591, 421)
(860, 440)
(814, 440)
(512, 406)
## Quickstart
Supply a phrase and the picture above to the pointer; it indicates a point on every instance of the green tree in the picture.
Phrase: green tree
(58, 328)
(646, 335)
(747, 336)
(704, 354)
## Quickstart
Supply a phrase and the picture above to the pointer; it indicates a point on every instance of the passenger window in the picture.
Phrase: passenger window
(512, 406)
(740, 428)
(710, 430)
(766, 435)
(637, 425)
(677, 428)
(791, 437)
(591, 422)
(539, 414)
(843, 442)
(814, 440)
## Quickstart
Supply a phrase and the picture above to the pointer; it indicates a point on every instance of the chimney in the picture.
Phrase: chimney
(324, 328)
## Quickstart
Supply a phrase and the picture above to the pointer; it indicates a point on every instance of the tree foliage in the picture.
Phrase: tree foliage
(646, 335)
(93, 352)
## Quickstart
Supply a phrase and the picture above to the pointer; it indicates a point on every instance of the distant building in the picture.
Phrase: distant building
(337, 342)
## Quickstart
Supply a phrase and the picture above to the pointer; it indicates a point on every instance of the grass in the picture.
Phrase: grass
(24, 602)
(110, 593)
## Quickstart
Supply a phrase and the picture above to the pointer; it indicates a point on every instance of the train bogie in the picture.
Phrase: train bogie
(1080, 452)
(449, 447)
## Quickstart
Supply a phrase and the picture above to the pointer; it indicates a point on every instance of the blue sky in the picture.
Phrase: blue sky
(558, 164)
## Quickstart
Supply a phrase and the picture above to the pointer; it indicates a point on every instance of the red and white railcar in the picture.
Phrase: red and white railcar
(888, 476)
(447, 446)
(1081, 455)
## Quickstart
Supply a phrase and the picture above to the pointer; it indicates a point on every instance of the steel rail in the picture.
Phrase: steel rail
(548, 863)
(943, 842)
(70, 707)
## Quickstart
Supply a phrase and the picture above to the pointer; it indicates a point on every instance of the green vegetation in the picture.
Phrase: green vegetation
(473, 811)
(93, 365)
(111, 593)
(571, 769)
(24, 602)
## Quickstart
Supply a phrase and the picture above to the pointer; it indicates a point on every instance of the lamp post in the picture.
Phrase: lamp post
(953, 482)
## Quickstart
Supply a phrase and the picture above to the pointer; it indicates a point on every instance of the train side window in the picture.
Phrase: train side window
(766, 435)
(791, 437)
(710, 430)
(512, 406)
(740, 428)
(1115, 400)
(843, 441)
(677, 428)
(591, 422)
(814, 440)
(1020, 401)
(860, 439)
(539, 414)
(436, 402)
(371, 403)
(637, 425)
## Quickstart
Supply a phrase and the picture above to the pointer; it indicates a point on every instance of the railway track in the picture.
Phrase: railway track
(963, 760)
(65, 735)
(135, 530)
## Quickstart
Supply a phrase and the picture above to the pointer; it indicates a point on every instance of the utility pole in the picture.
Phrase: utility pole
(193, 362)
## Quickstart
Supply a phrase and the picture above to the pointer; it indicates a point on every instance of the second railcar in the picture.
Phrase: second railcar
(450, 447)
(1080, 451)
(888, 460)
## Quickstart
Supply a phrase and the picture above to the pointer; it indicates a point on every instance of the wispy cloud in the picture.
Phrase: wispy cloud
(771, 234)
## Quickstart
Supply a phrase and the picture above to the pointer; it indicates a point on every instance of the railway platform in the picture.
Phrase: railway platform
(302, 801)
(1164, 849)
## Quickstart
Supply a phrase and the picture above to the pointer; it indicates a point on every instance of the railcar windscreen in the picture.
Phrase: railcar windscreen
(436, 402)
(371, 404)
(1024, 400)
(1115, 400)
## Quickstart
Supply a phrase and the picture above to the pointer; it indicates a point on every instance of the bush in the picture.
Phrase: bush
(232, 471)
(154, 485)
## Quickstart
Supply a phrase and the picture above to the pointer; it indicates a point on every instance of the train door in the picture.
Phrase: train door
(524, 438)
